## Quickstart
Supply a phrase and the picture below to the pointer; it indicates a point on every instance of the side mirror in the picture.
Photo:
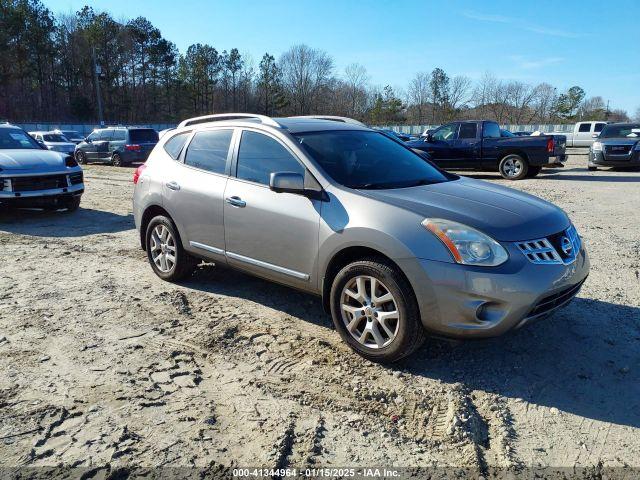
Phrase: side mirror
(595, 135)
(87, 140)
(428, 138)
(286, 182)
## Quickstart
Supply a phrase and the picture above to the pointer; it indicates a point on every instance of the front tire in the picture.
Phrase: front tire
(168, 259)
(72, 204)
(513, 167)
(375, 311)
(81, 157)
(116, 160)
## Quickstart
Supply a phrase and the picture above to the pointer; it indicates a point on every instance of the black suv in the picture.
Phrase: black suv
(117, 145)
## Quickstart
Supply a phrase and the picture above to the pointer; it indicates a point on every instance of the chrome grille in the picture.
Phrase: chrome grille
(548, 251)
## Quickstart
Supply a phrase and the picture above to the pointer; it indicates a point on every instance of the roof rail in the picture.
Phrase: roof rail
(332, 118)
(228, 116)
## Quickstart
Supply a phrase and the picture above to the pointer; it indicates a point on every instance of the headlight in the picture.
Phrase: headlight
(467, 245)
(596, 147)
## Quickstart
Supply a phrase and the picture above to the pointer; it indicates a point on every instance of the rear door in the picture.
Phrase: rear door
(583, 136)
(268, 233)
(466, 149)
(194, 188)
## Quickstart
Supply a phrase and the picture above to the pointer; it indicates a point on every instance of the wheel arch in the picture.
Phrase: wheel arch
(513, 151)
(150, 212)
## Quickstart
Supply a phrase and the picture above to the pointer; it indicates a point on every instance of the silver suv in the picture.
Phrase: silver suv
(396, 247)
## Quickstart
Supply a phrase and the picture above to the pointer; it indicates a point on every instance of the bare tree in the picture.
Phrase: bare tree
(458, 96)
(356, 79)
(418, 95)
(305, 72)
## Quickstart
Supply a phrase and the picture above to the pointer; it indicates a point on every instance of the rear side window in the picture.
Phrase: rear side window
(467, 130)
(209, 150)
(584, 127)
(118, 135)
(146, 135)
(174, 145)
(599, 127)
(260, 156)
(491, 130)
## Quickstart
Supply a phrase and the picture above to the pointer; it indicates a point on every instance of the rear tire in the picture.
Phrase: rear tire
(116, 160)
(81, 157)
(513, 167)
(168, 259)
(369, 326)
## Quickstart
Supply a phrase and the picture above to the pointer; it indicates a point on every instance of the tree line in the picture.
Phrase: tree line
(52, 69)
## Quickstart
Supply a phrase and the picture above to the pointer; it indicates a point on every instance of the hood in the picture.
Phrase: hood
(503, 213)
(31, 159)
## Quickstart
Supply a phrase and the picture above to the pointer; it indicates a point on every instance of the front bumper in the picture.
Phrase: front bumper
(598, 158)
(473, 302)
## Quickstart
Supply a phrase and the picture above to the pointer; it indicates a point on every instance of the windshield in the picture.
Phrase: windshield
(365, 159)
(54, 137)
(143, 136)
(16, 139)
(620, 131)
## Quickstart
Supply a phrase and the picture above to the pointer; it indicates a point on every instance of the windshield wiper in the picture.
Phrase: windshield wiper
(390, 185)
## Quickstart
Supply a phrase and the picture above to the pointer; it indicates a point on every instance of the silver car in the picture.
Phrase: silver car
(54, 141)
(32, 176)
(395, 247)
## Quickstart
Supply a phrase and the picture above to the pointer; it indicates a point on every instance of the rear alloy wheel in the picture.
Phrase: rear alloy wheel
(375, 311)
(513, 167)
(116, 160)
(81, 157)
(164, 250)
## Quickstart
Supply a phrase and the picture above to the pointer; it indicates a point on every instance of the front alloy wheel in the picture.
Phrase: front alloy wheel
(369, 312)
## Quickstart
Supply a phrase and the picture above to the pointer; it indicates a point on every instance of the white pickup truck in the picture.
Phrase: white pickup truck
(583, 134)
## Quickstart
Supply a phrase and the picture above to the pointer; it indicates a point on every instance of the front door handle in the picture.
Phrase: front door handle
(172, 185)
(236, 201)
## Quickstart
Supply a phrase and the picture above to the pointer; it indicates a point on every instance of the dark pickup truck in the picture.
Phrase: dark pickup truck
(480, 145)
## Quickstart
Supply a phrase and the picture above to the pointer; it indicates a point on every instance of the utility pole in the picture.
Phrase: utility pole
(96, 76)
(607, 113)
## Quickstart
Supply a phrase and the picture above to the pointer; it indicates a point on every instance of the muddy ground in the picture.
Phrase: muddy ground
(103, 365)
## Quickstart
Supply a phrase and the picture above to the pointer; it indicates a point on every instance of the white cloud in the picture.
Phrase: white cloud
(531, 27)
(527, 63)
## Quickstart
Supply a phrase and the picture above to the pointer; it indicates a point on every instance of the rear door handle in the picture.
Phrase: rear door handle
(172, 185)
(236, 201)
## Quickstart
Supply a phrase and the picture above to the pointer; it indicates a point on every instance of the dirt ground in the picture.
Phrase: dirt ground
(104, 365)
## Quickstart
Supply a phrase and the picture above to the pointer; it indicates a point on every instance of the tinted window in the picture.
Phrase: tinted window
(448, 132)
(599, 127)
(12, 138)
(259, 156)
(54, 137)
(71, 134)
(174, 145)
(584, 127)
(467, 130)
(119, 135)
(209, 150)
(146, 135)
(107, 135)
(366, 159)
(491, 130)
(96, 135)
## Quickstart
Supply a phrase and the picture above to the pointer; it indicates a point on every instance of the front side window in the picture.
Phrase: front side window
(260, 156)
(599, 127)
(97, 135)
(174, 145)
(491, 130)
(443, 134)
(209, 150)
(368, 160)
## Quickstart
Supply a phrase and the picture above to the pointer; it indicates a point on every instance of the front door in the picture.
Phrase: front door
(271, 234)
(441, 143)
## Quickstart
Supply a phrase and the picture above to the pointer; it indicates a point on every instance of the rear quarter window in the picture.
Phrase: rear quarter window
(175, 144)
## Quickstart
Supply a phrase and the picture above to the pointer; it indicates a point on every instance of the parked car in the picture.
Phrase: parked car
(583, 133)
(481, 145)
(117, 145)
(33, 176)
(71, 135)
(54, 141)
(403, 137)
(618, 145)
(394, 246)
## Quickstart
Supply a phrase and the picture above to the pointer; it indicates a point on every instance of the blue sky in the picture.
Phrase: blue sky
(594, 44)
